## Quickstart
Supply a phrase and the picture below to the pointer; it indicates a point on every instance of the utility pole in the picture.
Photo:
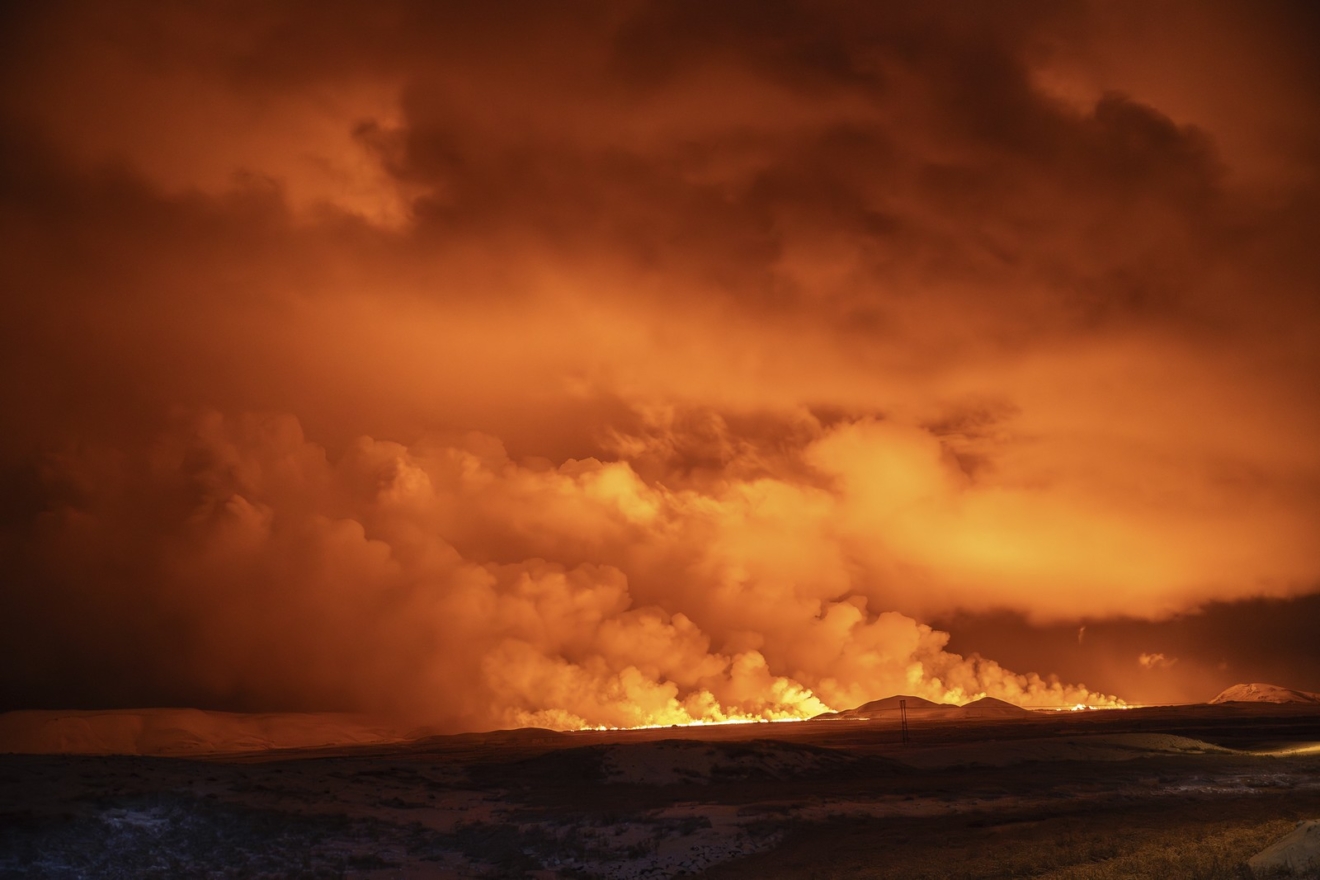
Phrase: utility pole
(902, 714)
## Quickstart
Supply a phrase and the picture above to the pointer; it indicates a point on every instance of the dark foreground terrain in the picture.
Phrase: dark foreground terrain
(1158, 793)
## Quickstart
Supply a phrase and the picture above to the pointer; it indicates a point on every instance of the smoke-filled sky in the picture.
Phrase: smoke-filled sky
(640, 362)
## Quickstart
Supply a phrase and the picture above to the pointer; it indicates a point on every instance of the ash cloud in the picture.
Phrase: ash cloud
(764, 333)
(444, 583)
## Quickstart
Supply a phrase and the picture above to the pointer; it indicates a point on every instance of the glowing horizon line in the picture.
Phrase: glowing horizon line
(697, 723)
(1076, 707)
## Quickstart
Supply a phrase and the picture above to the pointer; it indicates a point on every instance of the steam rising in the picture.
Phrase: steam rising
(452, 585)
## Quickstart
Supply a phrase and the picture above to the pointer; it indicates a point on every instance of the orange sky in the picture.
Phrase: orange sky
(639, 362)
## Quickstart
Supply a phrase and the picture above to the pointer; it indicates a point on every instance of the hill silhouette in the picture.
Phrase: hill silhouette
(1264, 693)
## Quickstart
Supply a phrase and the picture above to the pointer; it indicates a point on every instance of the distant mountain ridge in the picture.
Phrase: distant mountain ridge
(181, 731)
(918, 708)
(1264, 693)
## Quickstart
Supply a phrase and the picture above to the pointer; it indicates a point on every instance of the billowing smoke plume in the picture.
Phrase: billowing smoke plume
(449, 584)
(785, 328)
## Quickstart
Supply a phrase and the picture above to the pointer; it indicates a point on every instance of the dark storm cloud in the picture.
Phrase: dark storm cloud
(737, 145)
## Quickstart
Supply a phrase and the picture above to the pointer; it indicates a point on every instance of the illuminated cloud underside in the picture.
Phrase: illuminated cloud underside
(710, 351)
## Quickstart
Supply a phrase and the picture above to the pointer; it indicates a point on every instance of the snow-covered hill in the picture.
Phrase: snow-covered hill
(1265, 693)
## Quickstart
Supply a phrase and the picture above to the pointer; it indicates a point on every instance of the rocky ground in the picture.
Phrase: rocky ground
(824, 799)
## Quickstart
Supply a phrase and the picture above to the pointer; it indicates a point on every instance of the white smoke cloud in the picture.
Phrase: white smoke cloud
(1155, 661)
